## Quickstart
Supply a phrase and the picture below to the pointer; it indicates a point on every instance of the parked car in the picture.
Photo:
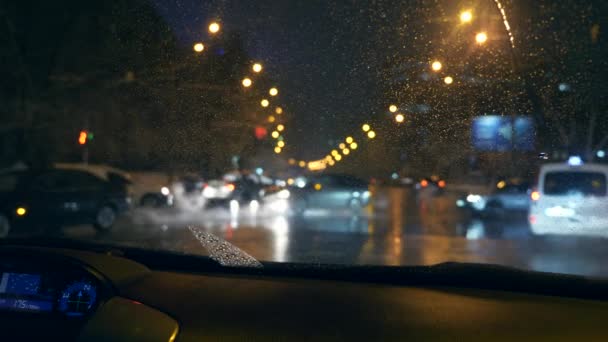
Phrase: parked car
(62, 196)
(329, 192)
(570, 199)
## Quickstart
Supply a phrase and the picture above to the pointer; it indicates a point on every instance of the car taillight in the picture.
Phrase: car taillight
(230, 187)
(441, 184)
(424, 183)
(535, 195)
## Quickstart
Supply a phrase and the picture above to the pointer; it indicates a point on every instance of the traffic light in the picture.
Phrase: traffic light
(82, 137)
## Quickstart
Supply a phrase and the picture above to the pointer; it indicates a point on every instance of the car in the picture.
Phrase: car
(510, 197)
(218, 191)
(60, 196)
(330, 191)
(570, 199)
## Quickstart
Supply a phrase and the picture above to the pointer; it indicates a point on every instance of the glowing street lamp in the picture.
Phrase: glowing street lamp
(448, 80)
(365, 127)
(349, 140)
(265, 103)
(214, 27)
(281, 144)
(481, 38)
(257, 67)
(342, 146)
(436, 65)
(399, 118)
(392, 108)
(466, 16)
(279, 110)
(271, 119)
(371, 134)
(247, 82)
(273, 91)
(277, 150)
(353, 146)
(280, 128)
(338, 157)
(275, 134)
(302, 163)
(198, 47)
(334, 153)
(345, 151)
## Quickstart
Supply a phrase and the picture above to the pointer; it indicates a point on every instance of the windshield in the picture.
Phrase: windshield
(342, 132)
(583, 183)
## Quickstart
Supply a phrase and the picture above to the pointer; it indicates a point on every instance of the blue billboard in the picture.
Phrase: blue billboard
(495, 133)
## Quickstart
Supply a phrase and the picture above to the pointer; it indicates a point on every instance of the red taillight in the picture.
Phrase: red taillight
(424, 183)
(535, 195)
(441, 184)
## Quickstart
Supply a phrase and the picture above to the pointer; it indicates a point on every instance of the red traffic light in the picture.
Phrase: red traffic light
(260, 132)
(82, 137)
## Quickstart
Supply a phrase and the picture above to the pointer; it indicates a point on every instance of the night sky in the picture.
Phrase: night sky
(313, 49)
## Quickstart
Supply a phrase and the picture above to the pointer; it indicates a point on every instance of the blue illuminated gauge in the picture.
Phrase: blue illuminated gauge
(77, 299)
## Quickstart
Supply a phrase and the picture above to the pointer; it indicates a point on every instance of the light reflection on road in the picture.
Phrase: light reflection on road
(401, 231)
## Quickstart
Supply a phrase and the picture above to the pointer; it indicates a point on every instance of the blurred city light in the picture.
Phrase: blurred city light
(257, 67)
(265, 103)
(247, 82)
(600, 154)
(349, 140)
(271, 119)
(466, 16)
(199, 47)
(318, 187)
(345, 151)
(281, 144)
(277, 150)
(353, 146)
(302, 163)
(436, 65)
(273, 91)
(338, 157)
(275, 134)
(365, 127)
(392, 108)
(501, 184)
(399, 118)
(291, 161)
(334, 152)
(214, 27)
(342, 146)
(82, 137)
(481, 37)
(448, 80)
(280, 128)
(279, 110)
(371, 134)
(21, 211)
(290, 181)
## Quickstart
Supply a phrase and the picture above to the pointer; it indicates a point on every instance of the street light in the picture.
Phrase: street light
(280, 128)
(275, 134)
(353, 146)
(399, 118)
(265, 103)
(392, 108)
(448, 80)
(247, 82)
(436, 66)
(338, 157)
(365, 127)
(466, 16)
(198, 47)
(279, 110)
(257, 67)
(345, 151)
(281, 144)
(481, 38)
(273, 91)
(371, 134)
(334, 153)
(277, 150)
(349, 140)
(342, 146)
(271, 119)
(214, 27)
(302, 163)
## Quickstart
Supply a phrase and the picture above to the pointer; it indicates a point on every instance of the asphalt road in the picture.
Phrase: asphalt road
(398, 229)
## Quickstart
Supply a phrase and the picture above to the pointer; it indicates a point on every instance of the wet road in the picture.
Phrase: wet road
(398, 229)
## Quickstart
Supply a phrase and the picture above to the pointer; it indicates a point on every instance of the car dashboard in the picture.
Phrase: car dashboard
(65, 294)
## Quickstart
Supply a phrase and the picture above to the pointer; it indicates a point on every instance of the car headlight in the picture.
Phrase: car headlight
(283, 194)
(165, 191)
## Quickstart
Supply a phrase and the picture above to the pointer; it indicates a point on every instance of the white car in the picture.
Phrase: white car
(570, 200)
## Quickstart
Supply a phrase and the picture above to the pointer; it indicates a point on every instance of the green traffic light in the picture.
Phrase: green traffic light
(90, 136)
